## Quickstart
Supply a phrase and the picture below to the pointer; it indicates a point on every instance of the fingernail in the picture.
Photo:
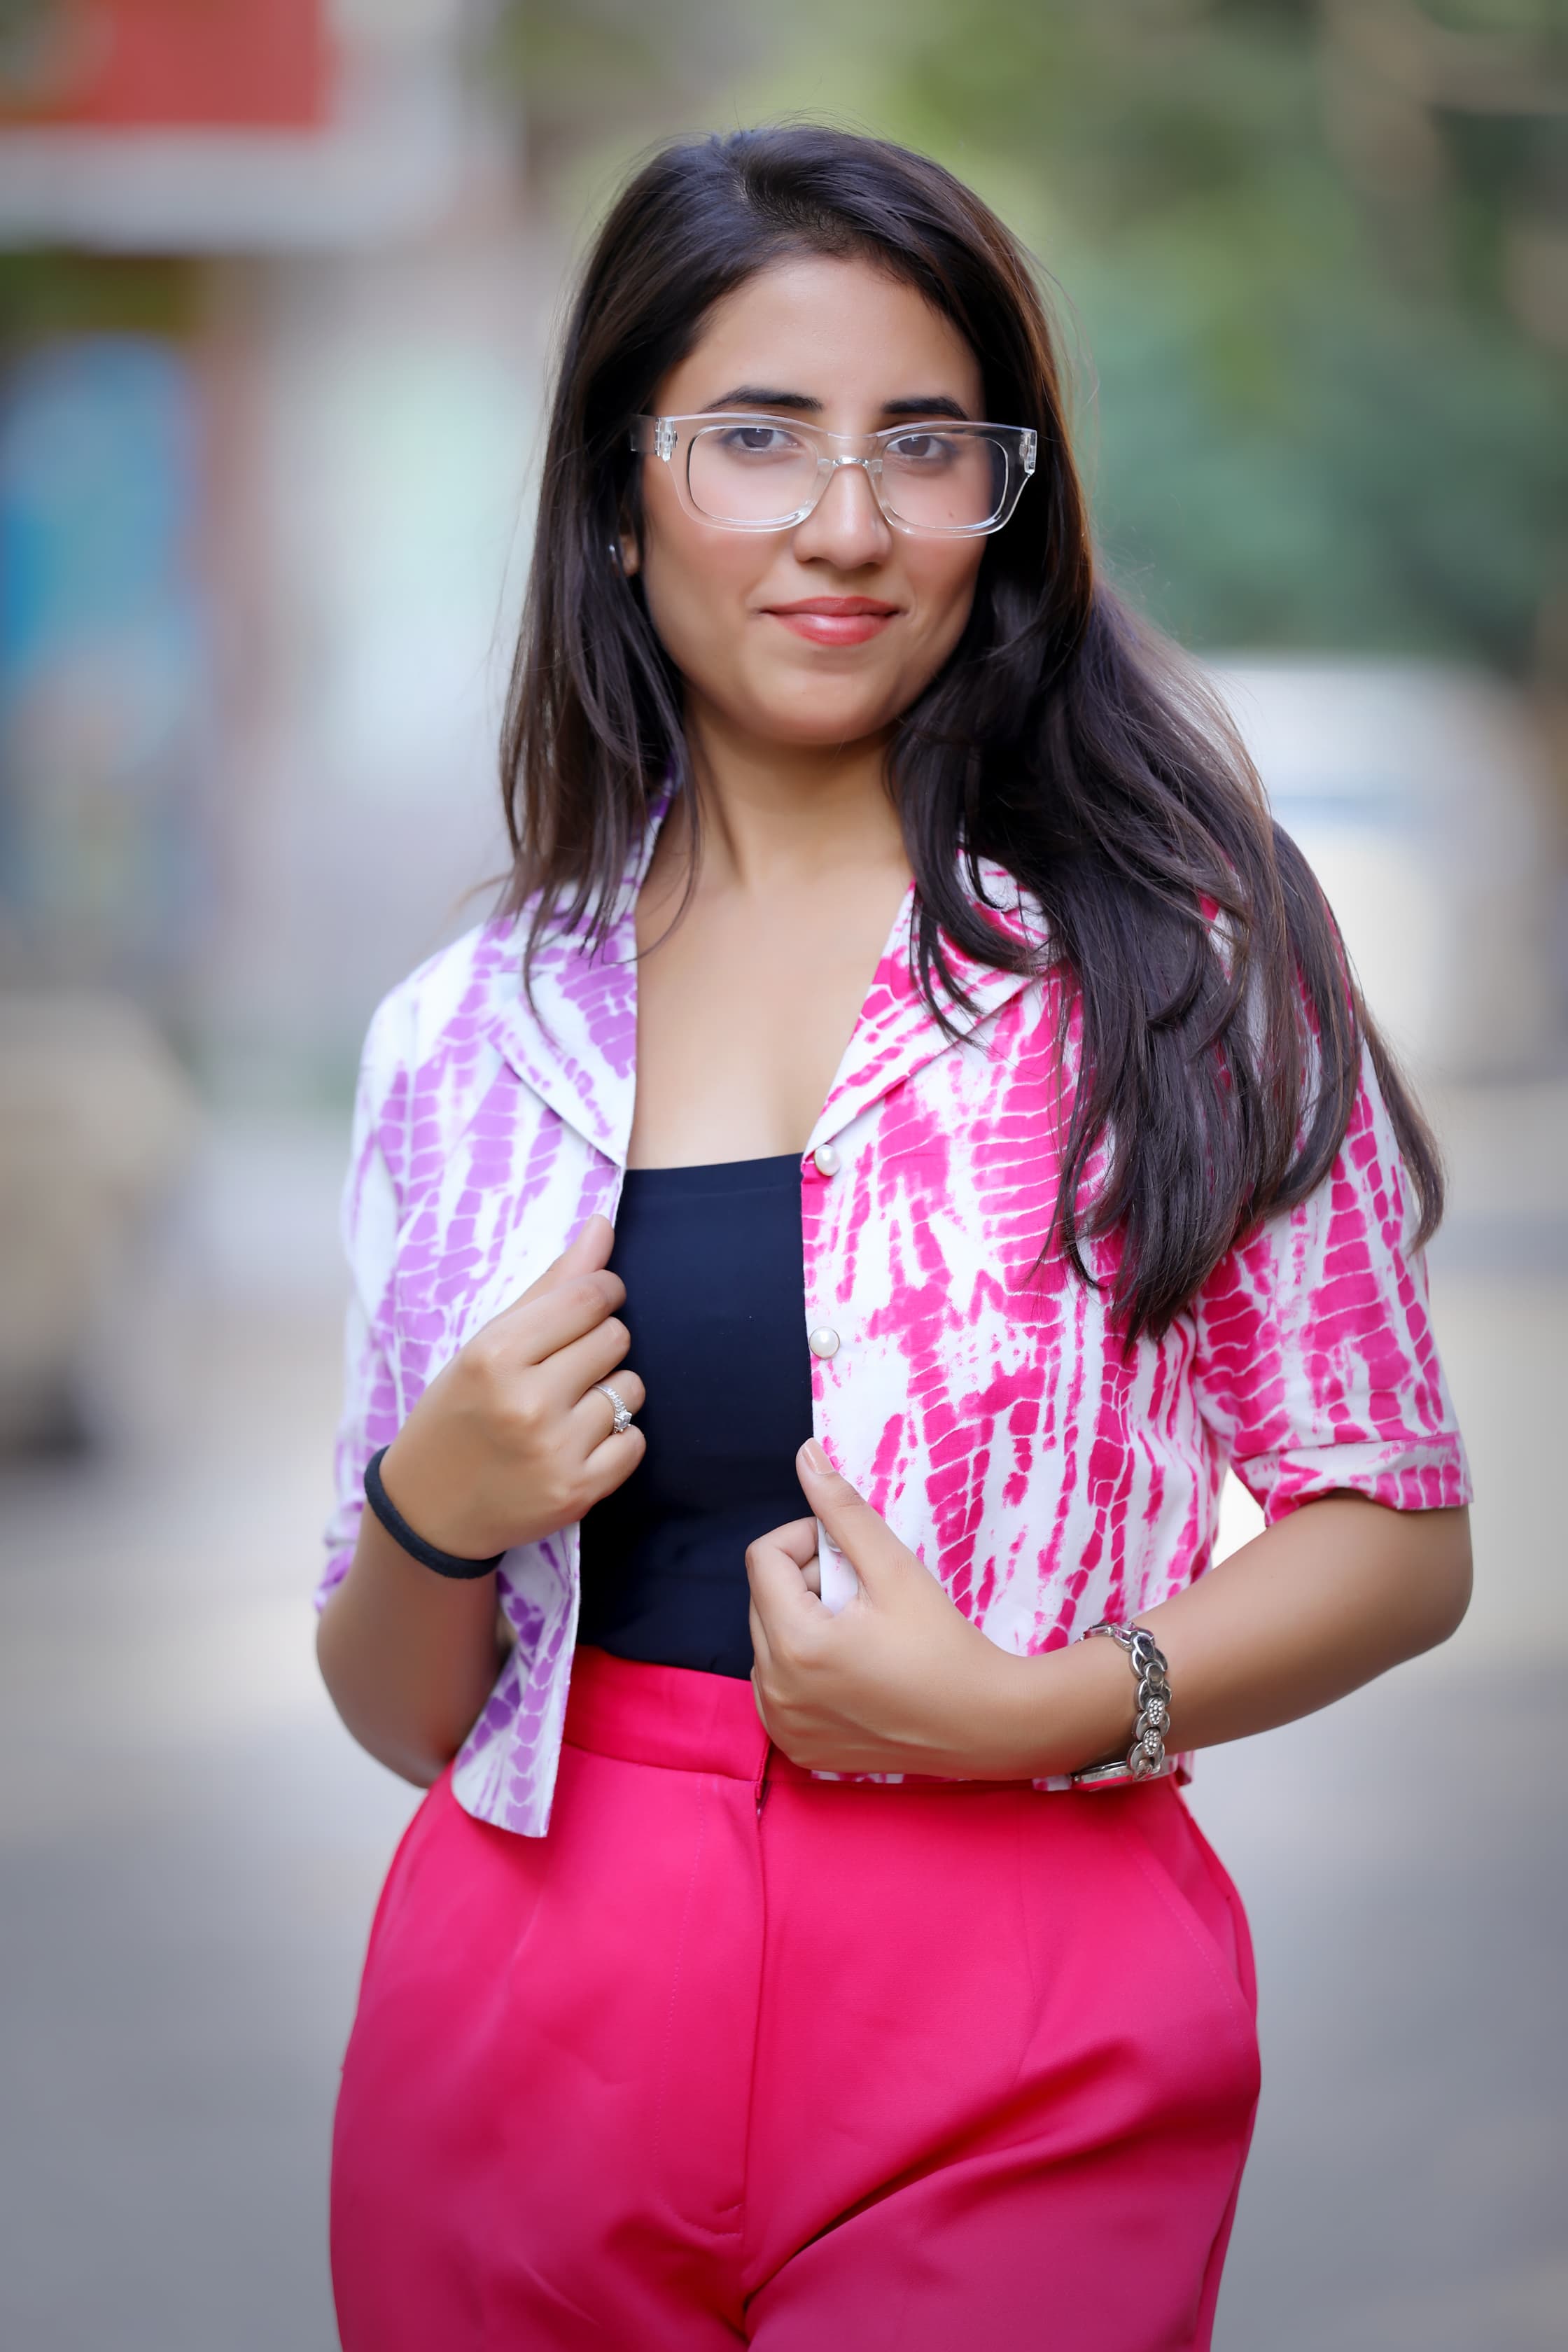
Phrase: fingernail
(812, 1454)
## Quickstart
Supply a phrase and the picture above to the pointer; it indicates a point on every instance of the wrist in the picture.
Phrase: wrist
(419, 1501)
(1064, 1710)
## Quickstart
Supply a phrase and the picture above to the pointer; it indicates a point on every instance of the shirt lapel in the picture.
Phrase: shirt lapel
(577, 1043)
(896, 1032)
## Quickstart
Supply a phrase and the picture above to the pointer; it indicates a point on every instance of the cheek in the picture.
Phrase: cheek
(696, 583)
(944, 576)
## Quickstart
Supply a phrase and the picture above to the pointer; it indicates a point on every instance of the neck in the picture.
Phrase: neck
(774, 813)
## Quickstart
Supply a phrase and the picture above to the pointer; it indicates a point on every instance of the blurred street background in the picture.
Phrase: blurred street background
(277, 279)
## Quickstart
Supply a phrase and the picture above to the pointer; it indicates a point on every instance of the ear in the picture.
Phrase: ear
(624, 550)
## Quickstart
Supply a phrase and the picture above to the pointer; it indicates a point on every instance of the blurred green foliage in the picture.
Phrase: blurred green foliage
(1312, 258)
(46, 291)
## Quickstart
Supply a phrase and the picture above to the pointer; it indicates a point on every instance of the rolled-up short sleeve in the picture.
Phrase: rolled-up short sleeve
(369, 1220)
(1315, 1366)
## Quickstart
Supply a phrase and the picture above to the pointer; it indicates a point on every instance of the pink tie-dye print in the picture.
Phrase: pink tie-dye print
(976, 1397)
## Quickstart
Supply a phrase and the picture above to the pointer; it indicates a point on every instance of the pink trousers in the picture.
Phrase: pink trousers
(734, 2056)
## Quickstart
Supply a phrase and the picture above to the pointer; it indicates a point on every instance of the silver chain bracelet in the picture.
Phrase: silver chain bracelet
(1146, 1758)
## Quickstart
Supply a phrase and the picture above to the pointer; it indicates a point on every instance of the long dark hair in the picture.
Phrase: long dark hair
(1221, 1029)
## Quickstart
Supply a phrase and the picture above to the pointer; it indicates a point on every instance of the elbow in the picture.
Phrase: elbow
(413, 1751)
(416, 1749)
(1453, 1616)
(420, 1768)
(1447, 1582)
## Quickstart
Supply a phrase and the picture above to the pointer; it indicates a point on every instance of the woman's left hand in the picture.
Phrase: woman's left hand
(898, 1680)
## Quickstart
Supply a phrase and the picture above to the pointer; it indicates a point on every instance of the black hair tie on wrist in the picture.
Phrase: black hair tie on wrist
(445, 1563)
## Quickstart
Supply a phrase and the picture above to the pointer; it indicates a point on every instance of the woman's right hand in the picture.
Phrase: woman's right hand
(512, 1438)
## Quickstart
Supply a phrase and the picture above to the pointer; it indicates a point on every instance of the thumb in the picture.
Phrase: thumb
(586, 1253)
(861, 1534)
(590, 1249)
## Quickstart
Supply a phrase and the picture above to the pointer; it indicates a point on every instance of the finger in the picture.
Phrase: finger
(797, 1541)
(761, 1654)
(861, 1534)
(592, 1418)
(779, 1591)
(572, 1370)
(611, 1462)
(797, 1537)
(544, 1326)
(763, 1667)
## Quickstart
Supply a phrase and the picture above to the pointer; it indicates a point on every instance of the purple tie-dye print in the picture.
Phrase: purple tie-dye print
(977, 1397)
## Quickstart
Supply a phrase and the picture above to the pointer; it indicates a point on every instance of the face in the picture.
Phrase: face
(851, 348)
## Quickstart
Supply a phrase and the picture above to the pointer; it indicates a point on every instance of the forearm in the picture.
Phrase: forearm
(1326, 1600)
(409, 1657)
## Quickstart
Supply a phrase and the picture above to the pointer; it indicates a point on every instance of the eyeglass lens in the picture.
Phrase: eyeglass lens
(765, 473)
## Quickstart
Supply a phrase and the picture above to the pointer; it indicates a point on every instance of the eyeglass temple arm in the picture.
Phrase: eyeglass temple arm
(653, 437)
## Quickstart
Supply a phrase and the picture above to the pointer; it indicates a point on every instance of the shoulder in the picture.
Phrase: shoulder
(431, 1048)
(453, 997)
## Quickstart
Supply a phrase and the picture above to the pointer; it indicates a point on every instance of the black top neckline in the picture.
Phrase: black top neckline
(727, 1176)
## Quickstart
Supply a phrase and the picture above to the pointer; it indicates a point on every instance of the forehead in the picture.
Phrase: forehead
(831, 329)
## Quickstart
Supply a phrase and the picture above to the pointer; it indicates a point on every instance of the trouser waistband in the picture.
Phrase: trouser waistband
(672, 1716)
(692, 1722)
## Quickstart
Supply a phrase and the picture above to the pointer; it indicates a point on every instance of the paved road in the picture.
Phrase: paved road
(190, 1848)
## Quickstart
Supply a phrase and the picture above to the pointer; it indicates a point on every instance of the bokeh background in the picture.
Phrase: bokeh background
(277, 279)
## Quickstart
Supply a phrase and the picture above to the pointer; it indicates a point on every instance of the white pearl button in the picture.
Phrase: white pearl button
(823, 1342)
(826, 1159)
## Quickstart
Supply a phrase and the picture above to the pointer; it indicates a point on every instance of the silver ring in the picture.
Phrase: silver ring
(623, 1420)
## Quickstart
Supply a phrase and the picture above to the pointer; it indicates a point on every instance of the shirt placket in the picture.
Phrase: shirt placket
(825, 1322)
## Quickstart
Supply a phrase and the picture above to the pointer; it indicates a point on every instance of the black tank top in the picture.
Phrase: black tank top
(716, 1309)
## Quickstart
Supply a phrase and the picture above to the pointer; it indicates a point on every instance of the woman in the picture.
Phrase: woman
(905, 1011)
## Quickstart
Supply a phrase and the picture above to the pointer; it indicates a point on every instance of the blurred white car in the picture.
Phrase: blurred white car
(1421, 796)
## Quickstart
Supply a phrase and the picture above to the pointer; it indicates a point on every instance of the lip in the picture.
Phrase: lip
(834, 620)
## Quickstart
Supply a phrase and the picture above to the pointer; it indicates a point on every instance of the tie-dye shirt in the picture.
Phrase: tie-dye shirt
(974, 1395)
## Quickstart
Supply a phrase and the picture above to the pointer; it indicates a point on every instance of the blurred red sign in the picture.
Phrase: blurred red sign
(167, 64)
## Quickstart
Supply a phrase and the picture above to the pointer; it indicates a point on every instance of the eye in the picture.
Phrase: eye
(757, 441)
(924, 449)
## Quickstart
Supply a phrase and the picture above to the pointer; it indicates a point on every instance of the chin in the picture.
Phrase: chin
(811, 712)
(803, 730)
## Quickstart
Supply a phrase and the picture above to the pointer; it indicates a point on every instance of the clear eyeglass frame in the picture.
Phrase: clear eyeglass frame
(674, 439)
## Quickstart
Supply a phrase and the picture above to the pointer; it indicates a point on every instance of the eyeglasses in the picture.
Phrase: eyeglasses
(767, 473)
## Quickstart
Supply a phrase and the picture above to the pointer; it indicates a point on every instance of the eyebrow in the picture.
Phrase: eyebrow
(803, 403)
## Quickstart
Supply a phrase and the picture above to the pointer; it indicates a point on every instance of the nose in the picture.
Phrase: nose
(846, 527)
